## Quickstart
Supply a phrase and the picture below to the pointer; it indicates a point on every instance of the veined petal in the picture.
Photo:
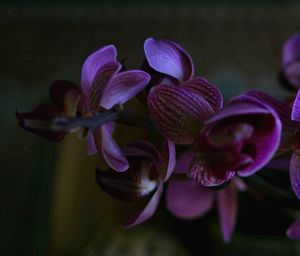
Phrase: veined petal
(39, 122)
(143, 149)
(295, 174)
(99, 85)
(148, 211)
(296, 108)
(227, 207)
(188, 199)
(65, 95)
(94, 63)
(129, 185)
(167, 162)
(177, 112)
(122, 87)
(109, 149)
(209, 92)
(294, 230)
(169, 58)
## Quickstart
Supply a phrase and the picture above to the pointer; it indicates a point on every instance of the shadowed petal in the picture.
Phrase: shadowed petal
(294, 230)
(142, 148)
(227, 207)
(169, 58)
(177, 112)
(188, 199)
(296, 108)
(148, 211)
(94, 63)
(123, 86)
(168, 160)
(295, 174)
(90, 144)
(209, 92)
(109, 149)
(183, 163)
(39, 122)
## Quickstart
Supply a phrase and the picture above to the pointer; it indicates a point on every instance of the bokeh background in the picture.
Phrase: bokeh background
(50, 202)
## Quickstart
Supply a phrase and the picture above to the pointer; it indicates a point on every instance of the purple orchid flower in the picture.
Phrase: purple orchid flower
(104, 86)
(291, 61)
(239, 139)
(65, 96)
(146, 175)
(188, 199)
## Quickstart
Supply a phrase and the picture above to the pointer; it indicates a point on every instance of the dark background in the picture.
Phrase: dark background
(50, 203)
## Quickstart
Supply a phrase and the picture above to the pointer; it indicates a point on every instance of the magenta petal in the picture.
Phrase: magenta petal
(188, 199)
(168, 160)
(109, 149)
(294, 230)
(123, 86)
(148, 211)
(94, 63)
(177, 112)
(91, 146)
(227, 207)
(209, 92)
(183, 163)
(295, 174)
(143, 149)
(169, 58)
(296, 108)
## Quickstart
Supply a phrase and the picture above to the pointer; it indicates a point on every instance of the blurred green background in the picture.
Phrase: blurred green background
(50, 202)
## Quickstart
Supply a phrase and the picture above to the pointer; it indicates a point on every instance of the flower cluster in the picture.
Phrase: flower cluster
(225, 143)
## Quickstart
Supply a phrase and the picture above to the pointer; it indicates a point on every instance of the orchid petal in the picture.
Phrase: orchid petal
(169, 58)
(188, 199)
(143, 149)
(99, 85)
(148, 211)
(168, 160)
(130, 185)
(183, 163)
(177, 112)
(90, 144)
(123, 86)
(294, 230)
(39, 122)
(296, 108)
(240, 184)
(227, 207)
(209, 92)
(109, 149)
(295, 173)
(94, 63)
(65, 95)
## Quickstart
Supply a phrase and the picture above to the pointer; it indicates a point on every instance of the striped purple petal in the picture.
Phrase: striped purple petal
(169, 58)
(189, 199)
(94, 63)
(177, 112)
(227, 207)
(208, 91)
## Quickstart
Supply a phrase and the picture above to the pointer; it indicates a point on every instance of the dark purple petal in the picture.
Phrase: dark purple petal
(291, 60)
(148, 211)
(90, 144)
(39, 122)
(295, 173)
(99, 85)
(177, 112)
(65, 96)
(183, 163)
(209, 92)
(294, 230)
(142, 149)
(227, 207)
(296, 108)
(169, 58)
(109, 149)
(94, 63)
(167, 162)
(122, 87)
(130, 185)
(188, 199)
